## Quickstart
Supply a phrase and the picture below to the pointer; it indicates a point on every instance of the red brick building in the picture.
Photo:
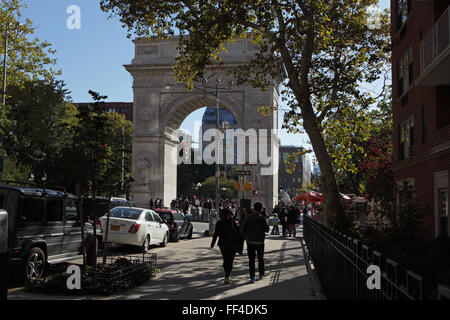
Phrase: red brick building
(125, 108)
(420, 33)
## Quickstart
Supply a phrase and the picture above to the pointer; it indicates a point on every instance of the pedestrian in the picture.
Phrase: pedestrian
(275, 222)
(151, 203)
(254, 229)
(228, 232)
(293, 214)
(283, 222)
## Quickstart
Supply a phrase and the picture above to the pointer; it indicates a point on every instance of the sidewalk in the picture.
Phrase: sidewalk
(201, 278)
(193, 271)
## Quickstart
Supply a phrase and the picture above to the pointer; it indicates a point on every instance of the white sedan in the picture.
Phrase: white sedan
(135, 226)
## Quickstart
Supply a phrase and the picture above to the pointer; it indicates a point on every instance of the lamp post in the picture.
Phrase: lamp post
(5, 56)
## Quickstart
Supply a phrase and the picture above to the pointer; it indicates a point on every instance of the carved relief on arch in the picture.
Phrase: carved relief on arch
(147, 113)
(143, 172)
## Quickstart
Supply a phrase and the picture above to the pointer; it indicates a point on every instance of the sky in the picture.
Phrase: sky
(92, 57)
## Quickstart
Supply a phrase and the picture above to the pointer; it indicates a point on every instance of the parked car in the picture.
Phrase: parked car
(179, 225)
(135, 226)
(43, 228)
(122, 202)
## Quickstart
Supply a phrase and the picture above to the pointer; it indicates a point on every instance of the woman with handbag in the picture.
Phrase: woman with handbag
(227, 231)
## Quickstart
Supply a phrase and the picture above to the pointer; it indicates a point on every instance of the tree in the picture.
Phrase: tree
(207, 188)
(41, 127)
(94, 155)
(326, 49)
(27, 59)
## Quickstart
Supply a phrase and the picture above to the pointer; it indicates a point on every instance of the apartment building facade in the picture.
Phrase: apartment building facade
(420, 32)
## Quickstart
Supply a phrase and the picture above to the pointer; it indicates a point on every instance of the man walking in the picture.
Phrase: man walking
(254, 228)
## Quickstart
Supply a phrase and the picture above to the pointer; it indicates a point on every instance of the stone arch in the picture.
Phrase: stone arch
(159, 109)
(177, 110)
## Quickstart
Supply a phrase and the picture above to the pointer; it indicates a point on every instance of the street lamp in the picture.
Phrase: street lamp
(8, 28)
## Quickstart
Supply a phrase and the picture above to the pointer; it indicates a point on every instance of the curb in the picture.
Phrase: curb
(311, 271)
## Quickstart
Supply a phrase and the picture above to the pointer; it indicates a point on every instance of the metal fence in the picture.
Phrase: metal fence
(134, 264)
(341, 264)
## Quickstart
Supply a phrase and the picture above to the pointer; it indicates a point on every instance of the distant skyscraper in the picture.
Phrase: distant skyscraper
(226, 121)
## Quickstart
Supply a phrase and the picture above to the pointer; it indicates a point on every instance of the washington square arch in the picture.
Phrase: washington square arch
(160, 106)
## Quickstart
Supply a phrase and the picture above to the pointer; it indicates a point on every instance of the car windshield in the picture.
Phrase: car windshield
(165, 216)
(126, 213)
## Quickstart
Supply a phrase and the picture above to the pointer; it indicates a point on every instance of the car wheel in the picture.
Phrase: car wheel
(35, 264)
(190, 232)
(146, 244)
(165, 240)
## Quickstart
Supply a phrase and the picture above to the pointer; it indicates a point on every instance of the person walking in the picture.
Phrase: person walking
(228, 232)
(292, 217)
(254, 229)
(151, 203)
(283, 217)
(275, 222)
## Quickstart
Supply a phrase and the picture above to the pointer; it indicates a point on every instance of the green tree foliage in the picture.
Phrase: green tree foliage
(94, 156)
(325, 48)
(51, 137)
(28, 58)
(41, 127)
(15, 171)
(207, 188)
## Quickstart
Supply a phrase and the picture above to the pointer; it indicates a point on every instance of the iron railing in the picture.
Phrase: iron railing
(435, 41)
(341, 264)
(134, 264)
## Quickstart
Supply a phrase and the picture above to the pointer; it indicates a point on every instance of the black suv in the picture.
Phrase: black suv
(179, 225)
(43, 228)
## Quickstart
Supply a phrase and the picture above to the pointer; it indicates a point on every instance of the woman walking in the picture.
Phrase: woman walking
(227, 231)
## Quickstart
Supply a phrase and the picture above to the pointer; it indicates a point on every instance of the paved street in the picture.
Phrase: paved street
(191, 270)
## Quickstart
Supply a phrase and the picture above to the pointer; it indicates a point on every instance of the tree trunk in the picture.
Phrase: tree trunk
(333, 210)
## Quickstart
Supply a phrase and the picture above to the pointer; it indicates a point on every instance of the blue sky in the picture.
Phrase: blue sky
(92, 58)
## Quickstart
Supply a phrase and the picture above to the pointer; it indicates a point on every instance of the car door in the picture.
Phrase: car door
(150, 225)
(54, 226)
(182, 224)
(72, 228)
(158, 225)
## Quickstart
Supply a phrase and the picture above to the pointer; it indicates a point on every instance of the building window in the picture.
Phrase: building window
(441, 208)
(112, 110)
(405, 71)
(442, 194)
(123, 110)
(424, 124)
(403, 10)
(406, 139)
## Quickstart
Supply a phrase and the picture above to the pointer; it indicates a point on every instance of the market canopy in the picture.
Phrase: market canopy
(311, 196)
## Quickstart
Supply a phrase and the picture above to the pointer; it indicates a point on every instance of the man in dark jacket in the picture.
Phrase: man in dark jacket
(254, 228)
